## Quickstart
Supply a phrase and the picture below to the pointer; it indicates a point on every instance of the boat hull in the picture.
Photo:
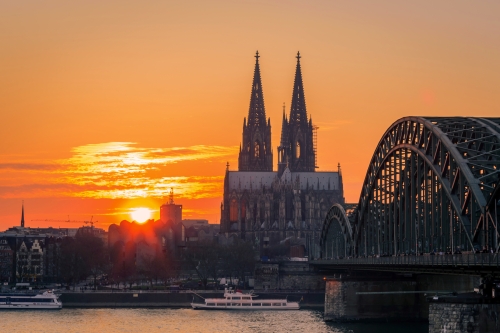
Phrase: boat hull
(29, 307)
(45, 301)
(289, 306)
(237, 301)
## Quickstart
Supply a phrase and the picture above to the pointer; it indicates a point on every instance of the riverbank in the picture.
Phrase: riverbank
(183, 299)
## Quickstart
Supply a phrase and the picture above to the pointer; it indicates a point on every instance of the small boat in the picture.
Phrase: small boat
(46, 300)
(236, 300)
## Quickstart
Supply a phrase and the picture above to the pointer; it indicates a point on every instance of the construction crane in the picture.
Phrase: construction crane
(91, 221)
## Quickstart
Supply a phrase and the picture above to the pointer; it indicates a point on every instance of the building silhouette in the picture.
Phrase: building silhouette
(270, 207)
(170, 213)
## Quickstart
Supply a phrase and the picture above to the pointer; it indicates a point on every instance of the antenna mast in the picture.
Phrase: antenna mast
(171, 197)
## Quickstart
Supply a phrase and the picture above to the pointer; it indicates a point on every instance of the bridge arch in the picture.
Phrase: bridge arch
(432, 185)
(336, 234)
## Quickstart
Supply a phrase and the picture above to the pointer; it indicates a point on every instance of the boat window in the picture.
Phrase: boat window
(236, 304)
(266, 304)
(31, 300)
(211, 304)
(246, 297)
(284, 304)
(236, 297)
(255, 304)
(276, 304)
(221, 304)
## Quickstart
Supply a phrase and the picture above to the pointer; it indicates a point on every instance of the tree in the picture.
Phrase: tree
(239, 259)
(71, 262)
(123, 263)
(205, 260)
(75, 259)
(171, 266)
(278, 251)
(152, 267)
(94, 254)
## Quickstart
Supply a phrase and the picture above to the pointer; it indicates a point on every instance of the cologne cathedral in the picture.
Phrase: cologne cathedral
(271, 207)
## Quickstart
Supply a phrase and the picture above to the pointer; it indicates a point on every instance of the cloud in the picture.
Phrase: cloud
(332, 125)
(117, 170)
(29, 166)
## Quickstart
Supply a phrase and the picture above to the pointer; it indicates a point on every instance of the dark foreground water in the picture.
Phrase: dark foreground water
(184, 320)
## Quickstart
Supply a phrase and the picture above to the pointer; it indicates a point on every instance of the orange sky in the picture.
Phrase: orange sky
(106, 104)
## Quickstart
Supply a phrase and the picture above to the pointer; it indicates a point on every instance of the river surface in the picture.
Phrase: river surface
(184, 320)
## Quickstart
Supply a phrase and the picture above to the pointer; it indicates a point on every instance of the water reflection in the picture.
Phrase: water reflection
(380, 328)
(184, 320)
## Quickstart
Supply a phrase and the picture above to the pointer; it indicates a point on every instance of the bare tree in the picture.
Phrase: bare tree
(239, 258)
(94, 254)
(152, 267)
(205, 260)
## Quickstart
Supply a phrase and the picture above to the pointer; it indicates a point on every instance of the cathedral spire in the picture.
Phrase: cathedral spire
(257, 112)
(283, 147)
(256, 153)
(22, 215)
(284, 125)
(297, 141)
(298, 113)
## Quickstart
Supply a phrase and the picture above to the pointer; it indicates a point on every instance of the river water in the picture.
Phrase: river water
(184, 320)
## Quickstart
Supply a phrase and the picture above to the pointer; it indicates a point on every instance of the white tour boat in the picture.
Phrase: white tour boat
(46, 300)
(236, 300)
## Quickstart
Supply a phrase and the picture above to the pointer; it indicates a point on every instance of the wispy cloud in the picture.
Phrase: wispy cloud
(29, 166)
(116, 170)
(332, 125)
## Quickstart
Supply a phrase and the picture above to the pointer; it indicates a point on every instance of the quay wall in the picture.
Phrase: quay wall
(310, 300)
(464, 318)
(288, 275)
(373, 297)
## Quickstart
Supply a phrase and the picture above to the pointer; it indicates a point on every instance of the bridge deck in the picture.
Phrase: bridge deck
(469, 264)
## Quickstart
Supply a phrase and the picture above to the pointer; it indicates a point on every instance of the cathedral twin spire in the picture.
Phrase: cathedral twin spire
(296, 149)
(257, 111)
(298, 112)
(255, 152)
(296, 144)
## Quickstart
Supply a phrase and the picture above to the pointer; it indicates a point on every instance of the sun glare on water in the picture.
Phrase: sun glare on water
(140, 215)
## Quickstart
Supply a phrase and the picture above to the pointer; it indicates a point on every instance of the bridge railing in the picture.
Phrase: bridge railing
(466, 260)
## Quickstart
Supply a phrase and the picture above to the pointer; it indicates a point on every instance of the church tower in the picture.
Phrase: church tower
(22, 216)
(256, 152)
(297, 146)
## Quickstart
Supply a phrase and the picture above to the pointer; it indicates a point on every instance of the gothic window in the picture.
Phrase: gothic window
(289, 206)
(264, 147)
(297, 150)
(276, 210)
(248, 147)
(256, 149)
(243, 209)
(303, 207)
(233, 211)
(255, 211)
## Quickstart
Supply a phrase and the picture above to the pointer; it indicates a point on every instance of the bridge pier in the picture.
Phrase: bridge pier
(382, 296)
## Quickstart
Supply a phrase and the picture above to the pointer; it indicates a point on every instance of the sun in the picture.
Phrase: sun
(140, 215)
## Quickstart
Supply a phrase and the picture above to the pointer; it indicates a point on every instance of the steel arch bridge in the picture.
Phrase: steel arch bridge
(432, 185)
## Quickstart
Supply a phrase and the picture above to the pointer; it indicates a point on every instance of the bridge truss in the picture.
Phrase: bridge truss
(432, 185)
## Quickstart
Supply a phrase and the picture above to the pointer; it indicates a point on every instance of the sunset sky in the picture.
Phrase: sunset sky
(105, 105)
